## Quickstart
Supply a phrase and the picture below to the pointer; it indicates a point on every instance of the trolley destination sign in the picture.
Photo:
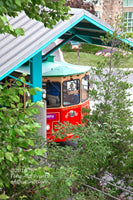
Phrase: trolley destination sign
(50, 116)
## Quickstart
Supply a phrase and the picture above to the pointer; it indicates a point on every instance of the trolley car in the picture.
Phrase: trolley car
(65, 87)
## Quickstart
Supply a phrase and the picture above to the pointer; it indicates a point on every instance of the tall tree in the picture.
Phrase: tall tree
(105, 142)
(47, 11)
(112, 112)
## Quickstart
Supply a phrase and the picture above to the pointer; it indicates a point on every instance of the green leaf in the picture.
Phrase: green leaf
(31, 152)
(32, 91)
(23, 79)
(47, 168)
(1, 156)
(38, 89)
(40, 152)
(68, 182)
(9, 156)
(1, 23)
(42, 2)
(9, 147)
(18, 83)
(23, 197)
(24, 144)
(8, 28)
(4, 196)
(32, 161)
(3, 18)
(15, 98)
(21, 92)
(35, 110)
(40, 104)
(18, 2)
(30, 142)
(19, 31)
(20, 105)
(13, 106)
(24, 74)
(1, 115)
(21, 157)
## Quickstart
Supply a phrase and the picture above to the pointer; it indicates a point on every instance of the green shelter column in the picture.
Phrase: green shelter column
(36, 75)
(36, 80)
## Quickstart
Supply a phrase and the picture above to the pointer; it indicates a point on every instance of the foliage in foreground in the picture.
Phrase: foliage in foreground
(18, 138)
(50, 13)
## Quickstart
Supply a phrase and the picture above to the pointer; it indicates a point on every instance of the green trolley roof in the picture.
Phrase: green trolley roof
(56, 69)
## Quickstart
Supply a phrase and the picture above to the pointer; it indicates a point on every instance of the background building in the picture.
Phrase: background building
(107, 10)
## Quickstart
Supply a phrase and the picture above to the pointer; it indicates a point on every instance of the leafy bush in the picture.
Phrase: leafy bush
(112, 111)
(67, 48)
(92, 49)
(19, 154)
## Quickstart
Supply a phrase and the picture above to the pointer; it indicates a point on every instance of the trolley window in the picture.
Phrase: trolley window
(52, 93)
(84, 88)
(71, 92)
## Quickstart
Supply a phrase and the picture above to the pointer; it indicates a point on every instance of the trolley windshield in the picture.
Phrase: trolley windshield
(71, 92)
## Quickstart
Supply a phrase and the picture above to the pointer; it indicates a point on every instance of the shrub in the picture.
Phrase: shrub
(20, 152)
(92, 49)
(87, 48)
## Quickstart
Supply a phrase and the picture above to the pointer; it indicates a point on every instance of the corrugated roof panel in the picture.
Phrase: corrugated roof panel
(13, 44)
(15, 48)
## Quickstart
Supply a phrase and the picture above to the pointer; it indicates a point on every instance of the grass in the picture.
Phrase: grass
(128, 63)
(86, 48)
(87, 59)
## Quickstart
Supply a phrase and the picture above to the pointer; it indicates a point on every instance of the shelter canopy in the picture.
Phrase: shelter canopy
(82, 26)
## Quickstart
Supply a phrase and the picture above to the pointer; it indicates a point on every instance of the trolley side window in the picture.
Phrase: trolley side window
(84, 88)
(52, 93)
(71, 92)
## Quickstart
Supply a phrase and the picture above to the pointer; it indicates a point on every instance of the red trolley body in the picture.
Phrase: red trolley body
(73, 86)
(71, 114)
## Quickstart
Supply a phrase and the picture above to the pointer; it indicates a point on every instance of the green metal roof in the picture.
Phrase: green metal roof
(57, 69)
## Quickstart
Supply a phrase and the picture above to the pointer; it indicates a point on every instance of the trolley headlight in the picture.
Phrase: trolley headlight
(44, 93)
(47, 127)
(71, 113)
